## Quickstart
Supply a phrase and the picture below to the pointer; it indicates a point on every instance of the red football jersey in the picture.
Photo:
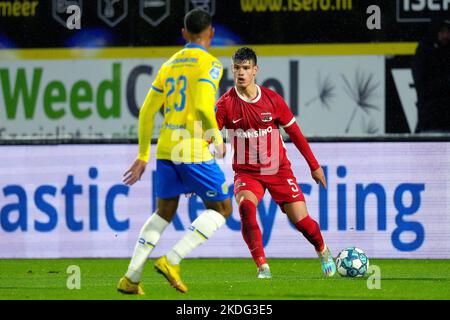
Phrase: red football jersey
(253, 127)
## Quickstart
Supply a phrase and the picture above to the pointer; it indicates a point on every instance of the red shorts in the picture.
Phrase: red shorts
(283, 186)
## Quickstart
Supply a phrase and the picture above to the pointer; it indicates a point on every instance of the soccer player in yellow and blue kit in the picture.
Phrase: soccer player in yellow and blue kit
(186, 87)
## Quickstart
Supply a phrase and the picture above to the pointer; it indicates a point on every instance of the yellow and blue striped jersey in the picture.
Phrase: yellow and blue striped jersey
(186, 87)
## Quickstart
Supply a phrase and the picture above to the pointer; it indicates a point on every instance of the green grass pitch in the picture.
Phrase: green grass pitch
(223, 279)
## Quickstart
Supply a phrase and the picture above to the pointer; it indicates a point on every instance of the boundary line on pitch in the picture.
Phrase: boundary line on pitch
(385, 48)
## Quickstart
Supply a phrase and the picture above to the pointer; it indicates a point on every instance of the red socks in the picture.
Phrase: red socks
(253, 237)
(311, 231)
(251, 232)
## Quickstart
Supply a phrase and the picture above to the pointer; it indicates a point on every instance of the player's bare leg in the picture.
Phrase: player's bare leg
(201, 230)
(298, 215)
(251, 232)
(148, 238)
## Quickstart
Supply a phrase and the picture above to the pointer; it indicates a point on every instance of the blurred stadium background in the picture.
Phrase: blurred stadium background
(69, 101)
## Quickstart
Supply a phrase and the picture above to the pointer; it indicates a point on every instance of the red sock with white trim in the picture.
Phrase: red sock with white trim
(251, 231)
(311, 230)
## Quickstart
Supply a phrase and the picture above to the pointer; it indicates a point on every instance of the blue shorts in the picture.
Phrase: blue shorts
(204, 179)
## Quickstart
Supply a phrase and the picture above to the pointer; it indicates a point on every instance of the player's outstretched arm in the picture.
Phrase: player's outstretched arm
(204, 100)
(152, 103)
(302, 145)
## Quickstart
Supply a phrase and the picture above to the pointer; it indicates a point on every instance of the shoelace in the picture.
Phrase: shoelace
(327, 261)
(326, 256)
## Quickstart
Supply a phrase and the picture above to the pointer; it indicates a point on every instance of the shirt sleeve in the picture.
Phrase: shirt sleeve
(205, 97)
(158, 84)
(211, 74)
(302, 145)
(285, 116)
(221, 114)
(152, 103)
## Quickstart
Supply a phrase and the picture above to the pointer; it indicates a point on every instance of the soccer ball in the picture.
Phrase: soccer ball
(352, 262)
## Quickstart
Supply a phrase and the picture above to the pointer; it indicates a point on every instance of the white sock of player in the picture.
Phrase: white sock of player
(201, 230)
(148, 237)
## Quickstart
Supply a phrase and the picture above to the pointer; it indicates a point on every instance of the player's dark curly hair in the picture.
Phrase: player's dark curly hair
(197, 20)
(245, 54)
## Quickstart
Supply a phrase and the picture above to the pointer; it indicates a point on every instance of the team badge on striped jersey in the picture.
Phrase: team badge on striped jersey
(266, 116)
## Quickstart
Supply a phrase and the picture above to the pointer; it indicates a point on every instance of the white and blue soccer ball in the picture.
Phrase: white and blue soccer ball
(352, 262)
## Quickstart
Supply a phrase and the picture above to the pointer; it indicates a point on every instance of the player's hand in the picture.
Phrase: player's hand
(134, 173)
(319, 177)
(220, 151)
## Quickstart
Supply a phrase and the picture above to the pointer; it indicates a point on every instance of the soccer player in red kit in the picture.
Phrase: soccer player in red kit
(252, 115)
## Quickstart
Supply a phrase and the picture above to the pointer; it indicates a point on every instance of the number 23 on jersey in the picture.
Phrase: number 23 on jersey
(176, 96)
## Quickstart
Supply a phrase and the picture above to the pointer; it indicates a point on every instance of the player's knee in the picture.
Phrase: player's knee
(246, 195)
(227, 208)
(247, 208)
(223, 207)
(166, 213)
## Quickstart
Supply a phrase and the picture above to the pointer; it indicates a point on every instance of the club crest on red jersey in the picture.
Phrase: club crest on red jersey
(266, 116)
